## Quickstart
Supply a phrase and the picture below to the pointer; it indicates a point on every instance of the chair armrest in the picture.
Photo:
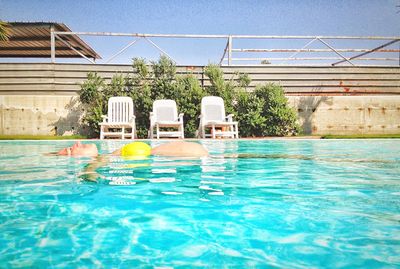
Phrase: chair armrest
(201, 119)
(152, 117)
(229, 117)
(104, 118)
(180, 117)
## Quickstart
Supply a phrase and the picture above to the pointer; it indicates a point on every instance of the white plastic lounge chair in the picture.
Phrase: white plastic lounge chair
(120, 118)
(165, 115)
(213, 116)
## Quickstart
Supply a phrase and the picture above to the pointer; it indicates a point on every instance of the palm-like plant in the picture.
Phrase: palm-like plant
(4, 31)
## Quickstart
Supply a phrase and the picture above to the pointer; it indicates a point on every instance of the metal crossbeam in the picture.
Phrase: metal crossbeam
(223, 55)
(157, 47)
(71, 47)
(229, 51)
(312, 50)
(226, 36)
(309, 59)
(305, 46)
(122, 50)
(368, 52)
(338, 53)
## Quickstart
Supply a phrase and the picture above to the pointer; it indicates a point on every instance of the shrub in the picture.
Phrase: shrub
(91, 96)
(227, 90)
(94, 94)
(280, 118)
(4, 31)
(141, 95)
(220, 87)
(163, 83)
(91, 88)
(117, 87)
(263, 112)
(243, 80)
(249, 114)
(189, 97)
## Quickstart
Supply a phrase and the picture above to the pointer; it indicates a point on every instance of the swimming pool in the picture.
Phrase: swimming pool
(283, 203)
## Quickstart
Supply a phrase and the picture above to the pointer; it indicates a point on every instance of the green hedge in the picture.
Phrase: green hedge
(263, 112)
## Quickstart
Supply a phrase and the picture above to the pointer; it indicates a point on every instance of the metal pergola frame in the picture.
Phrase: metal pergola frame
(228, 58)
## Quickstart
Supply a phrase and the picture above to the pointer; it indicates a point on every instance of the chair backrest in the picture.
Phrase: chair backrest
(120, 109)
(213, 108)
(165, 110)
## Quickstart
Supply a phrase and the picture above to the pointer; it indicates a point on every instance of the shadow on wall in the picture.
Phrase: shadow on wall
(72, 123)
(306, 108)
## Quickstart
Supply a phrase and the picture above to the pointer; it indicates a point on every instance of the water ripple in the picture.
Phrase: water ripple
(255, 204)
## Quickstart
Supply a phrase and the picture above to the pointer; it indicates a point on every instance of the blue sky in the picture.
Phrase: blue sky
(284, 17)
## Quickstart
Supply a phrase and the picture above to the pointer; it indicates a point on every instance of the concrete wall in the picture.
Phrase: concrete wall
(42, 98)
(344, 115)
(40, 115)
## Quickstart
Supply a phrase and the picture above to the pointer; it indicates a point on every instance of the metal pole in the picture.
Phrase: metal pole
(223, 56)
(310, 59)
(52, 45)
(312, 50)
(305, 46)
(122, 50)
(229, 50)
(163, 52)
(71, 47)
(226, 36)
(141, 35)
(345, 59)
(368, 52)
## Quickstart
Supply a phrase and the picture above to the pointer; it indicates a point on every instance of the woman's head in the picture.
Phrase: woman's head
(80, 150)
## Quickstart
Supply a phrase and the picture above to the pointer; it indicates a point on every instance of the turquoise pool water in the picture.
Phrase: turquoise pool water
(290, 204)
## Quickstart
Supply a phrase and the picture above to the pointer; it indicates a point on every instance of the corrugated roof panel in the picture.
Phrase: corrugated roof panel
(33, 40)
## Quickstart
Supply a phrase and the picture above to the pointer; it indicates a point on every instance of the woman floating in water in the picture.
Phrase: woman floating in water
(134, 150)
(140, 150)
(172, 149)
